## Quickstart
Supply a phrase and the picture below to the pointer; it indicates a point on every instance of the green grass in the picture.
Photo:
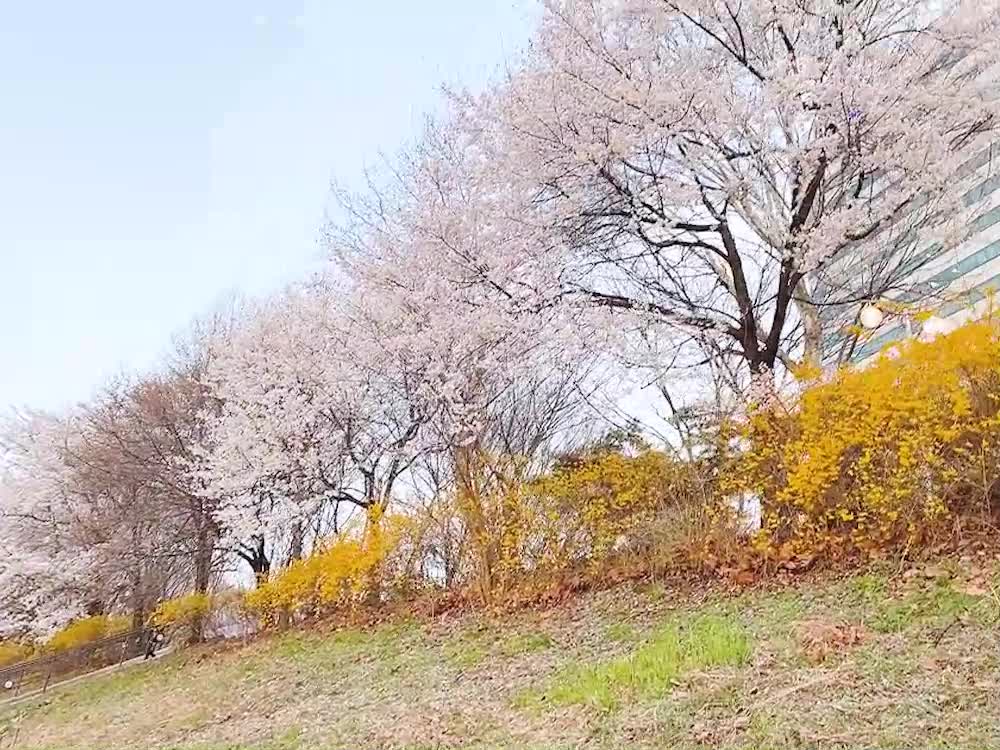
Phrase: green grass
(470, 647)
(524, 643)
(477, 645)
(621, 632)
(931, 605)
(464, 654)
(651, 670)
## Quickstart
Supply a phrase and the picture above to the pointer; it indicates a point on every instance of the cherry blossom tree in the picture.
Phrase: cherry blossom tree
(45, 579)
(448, 265)
(100, 503)
(316, 417)
(98, 506)
(140, 439)
(744, 173)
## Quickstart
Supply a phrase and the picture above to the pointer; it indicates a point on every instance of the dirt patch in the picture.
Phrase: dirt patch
(821, 639)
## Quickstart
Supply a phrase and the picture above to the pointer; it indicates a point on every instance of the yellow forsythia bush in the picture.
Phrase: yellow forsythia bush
(601, 500)
(87, 630)
(344, 570)
(12, 652)
(182, 610)
(596, 505)
(881, 455)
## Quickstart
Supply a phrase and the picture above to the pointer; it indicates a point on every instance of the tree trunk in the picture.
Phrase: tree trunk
(373, 597)
(294, 553)
(812, 327)
(258, 560)
(138, 597)
(136, 581)
(297, 539)
(202, 578)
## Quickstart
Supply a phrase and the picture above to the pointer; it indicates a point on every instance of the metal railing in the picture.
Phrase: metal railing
(38, 673)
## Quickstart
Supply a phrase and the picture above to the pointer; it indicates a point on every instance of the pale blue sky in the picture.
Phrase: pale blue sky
(155, 156)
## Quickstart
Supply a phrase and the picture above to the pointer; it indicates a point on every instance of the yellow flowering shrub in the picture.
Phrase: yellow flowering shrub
(576, 517)
(585, 510)
(87, 630)
(12, 652)
(881, 455)
(182, 610)
(343, 571)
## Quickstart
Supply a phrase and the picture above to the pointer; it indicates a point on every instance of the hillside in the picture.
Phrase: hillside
(886, 659)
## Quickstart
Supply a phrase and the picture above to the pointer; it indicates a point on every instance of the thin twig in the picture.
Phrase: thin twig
(940, 636)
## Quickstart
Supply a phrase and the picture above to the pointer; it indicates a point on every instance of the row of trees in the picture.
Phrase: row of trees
(690, 195)
(101, 505)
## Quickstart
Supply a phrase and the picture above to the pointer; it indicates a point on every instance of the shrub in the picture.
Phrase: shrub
(341, 572)
(596, 507)
(182, 611)
(588, 509)
(12, 652)
(86, 630)
(883, 455)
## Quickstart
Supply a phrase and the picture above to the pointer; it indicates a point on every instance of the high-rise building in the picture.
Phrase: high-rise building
(954, 284)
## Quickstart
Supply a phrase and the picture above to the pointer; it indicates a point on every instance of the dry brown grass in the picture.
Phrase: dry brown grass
(877, 660)
(823, 639)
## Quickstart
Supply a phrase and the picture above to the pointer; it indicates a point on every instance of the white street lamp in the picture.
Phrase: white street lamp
(871, 317)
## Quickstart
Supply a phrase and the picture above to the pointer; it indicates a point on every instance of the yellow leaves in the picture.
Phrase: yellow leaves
(603, 497)
(338, 573)
(592, 507)
(86, 630)
(807, 372)
(843, 514)
(12, 652)
(182, 610)
(864, 452)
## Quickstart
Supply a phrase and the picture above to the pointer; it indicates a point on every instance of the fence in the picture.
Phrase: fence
(35, 675)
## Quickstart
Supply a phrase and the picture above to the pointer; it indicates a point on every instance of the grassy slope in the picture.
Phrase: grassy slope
(858, 663)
